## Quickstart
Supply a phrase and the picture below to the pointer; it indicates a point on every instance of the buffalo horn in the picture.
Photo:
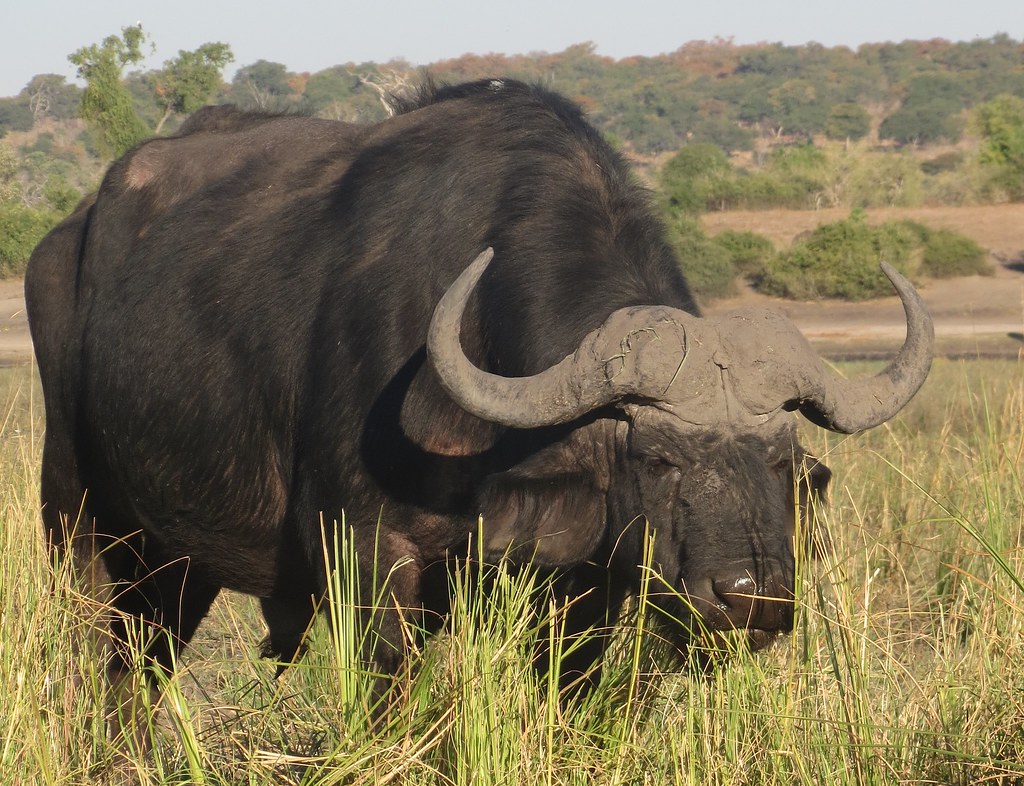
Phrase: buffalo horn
(558, 394)
(854, 405)
(637, 353)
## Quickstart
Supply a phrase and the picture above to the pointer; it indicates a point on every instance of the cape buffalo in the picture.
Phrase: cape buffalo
(264, 323)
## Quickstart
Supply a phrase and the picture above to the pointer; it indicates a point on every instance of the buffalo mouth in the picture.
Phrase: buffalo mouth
(707, 650)
(759, 638)
(724, 642)
(717, 630)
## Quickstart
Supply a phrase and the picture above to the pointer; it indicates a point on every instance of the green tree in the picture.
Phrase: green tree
(727, 134)
(106, 104)
(929, 112)
(9, 188)
(50, 95)
(690, 175)
(328, 90)
(1001, 123)
(263, 86)
(190, 80)
(21, 229)
(847, 121)
(339, 93)
(15, 115)
(797, 107)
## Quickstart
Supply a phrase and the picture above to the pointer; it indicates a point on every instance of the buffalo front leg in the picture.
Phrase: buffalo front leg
(288, 621)
(390, 613)
(157, 604)
(581, 609)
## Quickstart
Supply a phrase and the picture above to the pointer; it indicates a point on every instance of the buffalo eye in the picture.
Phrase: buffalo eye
(658, 464)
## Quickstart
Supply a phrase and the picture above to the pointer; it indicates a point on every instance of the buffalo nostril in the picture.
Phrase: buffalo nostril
(737, 593)
(768, 607)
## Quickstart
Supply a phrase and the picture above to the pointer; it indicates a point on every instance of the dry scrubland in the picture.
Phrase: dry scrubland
(974, 315)
(996, 227)
(907, 664)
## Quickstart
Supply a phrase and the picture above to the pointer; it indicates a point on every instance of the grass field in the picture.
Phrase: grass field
(906, 666)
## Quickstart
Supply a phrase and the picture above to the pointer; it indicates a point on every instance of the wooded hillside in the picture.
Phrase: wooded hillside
(712, 126)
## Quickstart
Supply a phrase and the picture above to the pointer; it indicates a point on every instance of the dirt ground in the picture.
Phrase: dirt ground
(15, 344)
(978, 315)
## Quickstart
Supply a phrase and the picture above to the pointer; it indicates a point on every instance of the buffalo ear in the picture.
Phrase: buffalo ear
(538, 511)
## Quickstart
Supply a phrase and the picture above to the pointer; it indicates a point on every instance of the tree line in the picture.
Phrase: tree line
(717, 125)
(915, 92)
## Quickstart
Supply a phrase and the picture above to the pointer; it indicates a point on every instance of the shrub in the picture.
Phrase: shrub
(944, 162)
(884, 180)
(60, 194)
(21, 228)
(948, 254)
(688, 176)
(803, 159)
(921, 232)
(840, 260)
(708, 266)
(699, 177)
(767, 190)
(748, 251)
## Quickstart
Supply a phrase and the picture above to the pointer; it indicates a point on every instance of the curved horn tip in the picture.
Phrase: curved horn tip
(478, 265)
(856, 405)
(899, 281)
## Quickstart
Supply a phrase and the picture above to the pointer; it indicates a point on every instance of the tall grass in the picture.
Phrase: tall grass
(906, 665)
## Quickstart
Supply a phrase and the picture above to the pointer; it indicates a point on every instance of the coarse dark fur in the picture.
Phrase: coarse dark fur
(231, 342)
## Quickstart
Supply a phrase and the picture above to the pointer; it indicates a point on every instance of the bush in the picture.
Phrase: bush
(840, 260)
(748, 251)
(884, 180)
(944, 162)
(971, 183)
(689, 175)
(707, 265)
(21, 228)
(60, 194)
(803, 159)
(948, 254)
(700, 177)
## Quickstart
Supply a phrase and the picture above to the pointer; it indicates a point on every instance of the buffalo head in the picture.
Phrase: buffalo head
(696, 442)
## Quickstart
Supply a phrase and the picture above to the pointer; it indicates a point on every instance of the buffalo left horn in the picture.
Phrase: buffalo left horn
(850, 405)
(583, 381)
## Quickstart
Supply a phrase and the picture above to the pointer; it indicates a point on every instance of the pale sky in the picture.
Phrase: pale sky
(309, 35)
